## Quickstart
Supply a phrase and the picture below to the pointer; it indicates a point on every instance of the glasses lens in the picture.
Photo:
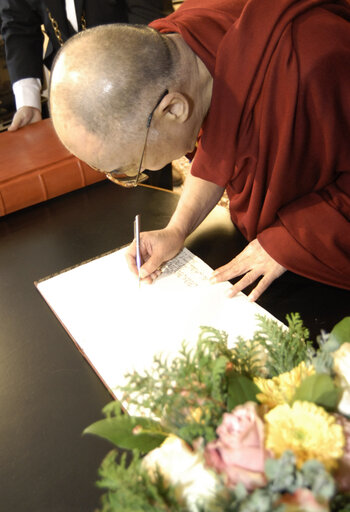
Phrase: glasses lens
(126, 181)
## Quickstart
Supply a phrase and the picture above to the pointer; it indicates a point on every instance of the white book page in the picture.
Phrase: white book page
(120, 326)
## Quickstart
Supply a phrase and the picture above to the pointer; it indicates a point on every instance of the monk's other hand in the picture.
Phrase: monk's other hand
(253, 262)
(24, 116)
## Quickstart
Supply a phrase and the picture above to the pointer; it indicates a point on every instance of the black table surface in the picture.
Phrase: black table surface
(48, 392)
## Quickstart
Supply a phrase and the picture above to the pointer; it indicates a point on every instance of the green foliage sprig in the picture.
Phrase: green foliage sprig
(286, 348)
(174, 389)
(130, 489)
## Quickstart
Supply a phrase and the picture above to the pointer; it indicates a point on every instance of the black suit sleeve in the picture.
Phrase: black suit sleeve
(145, 11)
(21, 31)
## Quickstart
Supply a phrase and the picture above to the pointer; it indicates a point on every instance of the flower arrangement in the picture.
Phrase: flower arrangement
(263, 426)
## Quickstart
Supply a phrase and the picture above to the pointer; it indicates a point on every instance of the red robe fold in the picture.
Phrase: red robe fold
(277, 134)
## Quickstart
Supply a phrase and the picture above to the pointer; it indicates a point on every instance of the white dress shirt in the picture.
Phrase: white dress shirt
(27, 91)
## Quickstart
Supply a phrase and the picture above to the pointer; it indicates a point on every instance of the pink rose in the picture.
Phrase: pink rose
(239, 452)
(302, 500)
(342, 475)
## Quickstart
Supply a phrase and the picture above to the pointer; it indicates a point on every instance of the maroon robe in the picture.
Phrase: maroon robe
(277, 135)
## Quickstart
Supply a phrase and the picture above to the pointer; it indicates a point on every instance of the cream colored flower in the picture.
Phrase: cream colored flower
(344, 404)
(341, 363)
(341, 367)
(185, 470)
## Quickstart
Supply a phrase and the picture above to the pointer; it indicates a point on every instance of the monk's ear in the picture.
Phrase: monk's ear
(173, 107)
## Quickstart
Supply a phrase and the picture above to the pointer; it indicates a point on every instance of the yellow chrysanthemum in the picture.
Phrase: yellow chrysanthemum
(306, 429)
(281, 389)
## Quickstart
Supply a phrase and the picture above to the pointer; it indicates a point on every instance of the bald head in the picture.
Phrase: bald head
(106, 81)
(111, 75)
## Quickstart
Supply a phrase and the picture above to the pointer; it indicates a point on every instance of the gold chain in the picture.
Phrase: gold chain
(57, 30)
(83, 21)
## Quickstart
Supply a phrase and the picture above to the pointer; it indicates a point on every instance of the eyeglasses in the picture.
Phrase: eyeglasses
(133, 181)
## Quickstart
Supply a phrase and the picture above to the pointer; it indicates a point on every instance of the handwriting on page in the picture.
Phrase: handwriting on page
(190, 270)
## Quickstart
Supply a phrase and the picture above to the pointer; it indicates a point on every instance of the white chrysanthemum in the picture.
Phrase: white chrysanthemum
(344, 404)
(341, 367)
(185, 470)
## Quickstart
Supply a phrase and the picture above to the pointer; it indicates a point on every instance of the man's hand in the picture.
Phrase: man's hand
(254, 262)
(24, 116)
(156, 247)
(197, 199)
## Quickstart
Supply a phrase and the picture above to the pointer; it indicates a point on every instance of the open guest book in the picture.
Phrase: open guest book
(119, 326)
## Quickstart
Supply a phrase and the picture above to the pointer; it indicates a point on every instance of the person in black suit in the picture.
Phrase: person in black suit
(21, 29)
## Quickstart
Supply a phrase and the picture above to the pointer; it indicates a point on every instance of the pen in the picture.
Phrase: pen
(137, 240)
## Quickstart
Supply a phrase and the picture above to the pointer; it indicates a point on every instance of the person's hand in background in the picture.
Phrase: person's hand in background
(24, 116)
